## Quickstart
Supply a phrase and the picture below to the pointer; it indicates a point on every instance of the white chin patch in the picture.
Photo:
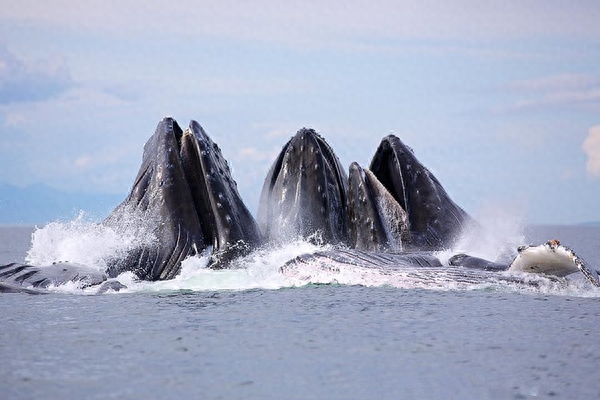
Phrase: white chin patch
(552, 258)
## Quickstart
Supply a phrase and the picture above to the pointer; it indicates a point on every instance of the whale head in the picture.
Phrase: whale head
(376, 220)
(304, 193)
(434, 219)
(186, 194)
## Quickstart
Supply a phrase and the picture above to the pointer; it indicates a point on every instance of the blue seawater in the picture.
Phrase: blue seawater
(253, 334)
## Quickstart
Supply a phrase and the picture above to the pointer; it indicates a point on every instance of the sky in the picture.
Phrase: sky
(499, 99)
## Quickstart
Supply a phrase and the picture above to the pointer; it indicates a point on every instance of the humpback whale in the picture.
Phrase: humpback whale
(550, 258)
(304, 193)
(376, 220)
(434, 220)
(392, 215)
(396, 203)
(422, 269)
(184, 189)
(16, 277)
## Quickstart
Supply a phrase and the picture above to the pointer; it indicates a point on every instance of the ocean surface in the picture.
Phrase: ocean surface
(253, 333)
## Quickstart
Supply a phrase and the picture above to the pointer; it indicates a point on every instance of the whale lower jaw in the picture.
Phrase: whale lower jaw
(188, 200)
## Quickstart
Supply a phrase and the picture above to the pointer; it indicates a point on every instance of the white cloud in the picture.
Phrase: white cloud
(236, 65)
(83, 140)
(560, 90)
(13, 119)
(297, 21)
(82, 161)
(22, 81)
(584, 97)
(129, 91)
(558, 82)
(591, 147)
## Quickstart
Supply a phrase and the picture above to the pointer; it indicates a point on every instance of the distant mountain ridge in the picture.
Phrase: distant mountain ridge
(39, 204)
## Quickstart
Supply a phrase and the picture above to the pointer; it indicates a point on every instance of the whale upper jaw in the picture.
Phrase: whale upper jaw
(434, 219)
(185, 192)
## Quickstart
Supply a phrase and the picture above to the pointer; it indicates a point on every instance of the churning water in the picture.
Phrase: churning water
(252, 332)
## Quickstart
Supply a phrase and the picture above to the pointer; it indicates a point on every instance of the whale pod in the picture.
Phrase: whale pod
(392, 215)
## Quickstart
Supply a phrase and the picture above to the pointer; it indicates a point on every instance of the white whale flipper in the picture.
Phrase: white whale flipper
(552, 258)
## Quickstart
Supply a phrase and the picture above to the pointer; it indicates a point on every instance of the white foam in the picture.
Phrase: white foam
(92, 243)
(87, 242)
(259, 269)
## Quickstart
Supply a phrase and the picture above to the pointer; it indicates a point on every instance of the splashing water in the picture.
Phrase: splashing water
(259, 269)
(86, 242)
(495, 237)
(91, 243)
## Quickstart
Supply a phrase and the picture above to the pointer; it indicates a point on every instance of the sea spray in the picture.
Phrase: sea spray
(92, 243)
(495, 236)
(87, 242)
(259, 269)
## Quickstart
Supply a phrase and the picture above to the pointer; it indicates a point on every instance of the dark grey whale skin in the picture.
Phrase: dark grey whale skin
(365, 221)
(375, 219)
(307, 191)
(435, 221)
(186, 196)
(467, 261)
(304, 193)
(55, 274)
(185, 190)
(23, 278)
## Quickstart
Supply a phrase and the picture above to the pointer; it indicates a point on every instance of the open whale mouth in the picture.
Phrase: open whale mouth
(204, 168)
(391, 165)
(433, 218)
(376, 219)
(185, 186)
(305, 192)
(227, 224)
